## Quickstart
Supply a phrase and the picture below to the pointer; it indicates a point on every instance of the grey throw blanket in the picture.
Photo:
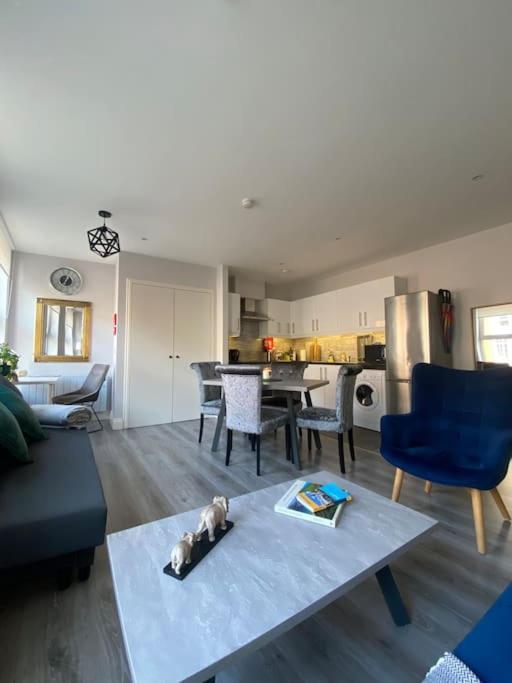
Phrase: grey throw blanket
(55, 415)
(450, 669)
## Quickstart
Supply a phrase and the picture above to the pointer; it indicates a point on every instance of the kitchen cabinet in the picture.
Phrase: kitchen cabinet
(234, 314)
(297, 311)
(361, 307)
(314, 315)
(316, 372)
(324, 397)
(279, 323)
(325, 313)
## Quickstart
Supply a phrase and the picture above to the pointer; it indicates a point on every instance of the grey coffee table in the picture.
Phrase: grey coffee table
(267, 575)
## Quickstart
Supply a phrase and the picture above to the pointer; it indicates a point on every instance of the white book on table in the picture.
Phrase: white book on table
(283, 507)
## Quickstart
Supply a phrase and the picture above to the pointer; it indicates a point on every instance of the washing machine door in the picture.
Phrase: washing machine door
(367, 395)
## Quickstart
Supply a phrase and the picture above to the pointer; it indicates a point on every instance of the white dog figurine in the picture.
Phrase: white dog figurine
(212, 516)
(180, 554)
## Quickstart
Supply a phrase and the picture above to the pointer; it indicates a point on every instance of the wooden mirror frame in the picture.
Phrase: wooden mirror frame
(39, 355)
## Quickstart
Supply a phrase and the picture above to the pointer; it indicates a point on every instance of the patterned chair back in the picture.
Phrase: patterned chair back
(206, 370)
(293, 370)
(242, 393)
(345, 385)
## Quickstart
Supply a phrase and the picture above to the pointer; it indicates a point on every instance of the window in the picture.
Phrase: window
(492, 327)
(4, 288)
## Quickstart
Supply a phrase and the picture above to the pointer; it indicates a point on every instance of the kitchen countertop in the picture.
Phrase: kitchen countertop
(366, 366)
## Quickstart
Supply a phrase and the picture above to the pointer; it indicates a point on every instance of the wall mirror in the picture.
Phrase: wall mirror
(63, 331)
(492, 335)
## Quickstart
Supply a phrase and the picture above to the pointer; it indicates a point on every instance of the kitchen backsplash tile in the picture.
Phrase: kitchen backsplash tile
(343, 346)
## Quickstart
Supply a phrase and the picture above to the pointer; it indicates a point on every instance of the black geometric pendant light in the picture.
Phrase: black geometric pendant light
(103, 240)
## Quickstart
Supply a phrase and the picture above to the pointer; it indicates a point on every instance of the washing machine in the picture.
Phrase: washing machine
(370, 399)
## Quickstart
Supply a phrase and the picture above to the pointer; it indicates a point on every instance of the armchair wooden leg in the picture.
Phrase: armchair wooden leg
(397, 484)
(478, 517)
(428, 486)
(500, 504)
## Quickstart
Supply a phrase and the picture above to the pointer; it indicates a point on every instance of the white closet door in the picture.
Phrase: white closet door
(192, 342)
(150, 345)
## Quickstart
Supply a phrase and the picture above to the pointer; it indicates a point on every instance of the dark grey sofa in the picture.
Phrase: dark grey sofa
(53, 508)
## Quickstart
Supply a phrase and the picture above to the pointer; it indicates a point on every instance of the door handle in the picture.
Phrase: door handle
(177, 356)
(359, 318)
(365, 319)
(170, 356)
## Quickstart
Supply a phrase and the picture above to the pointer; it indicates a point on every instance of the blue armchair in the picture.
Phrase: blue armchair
(459, 433)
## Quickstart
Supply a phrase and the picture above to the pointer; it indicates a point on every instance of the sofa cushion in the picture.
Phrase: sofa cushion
(12, 441)
(21, 410)
(55, 506)
(4, 382)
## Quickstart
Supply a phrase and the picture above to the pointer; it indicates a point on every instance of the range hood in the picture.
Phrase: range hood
(250, 311)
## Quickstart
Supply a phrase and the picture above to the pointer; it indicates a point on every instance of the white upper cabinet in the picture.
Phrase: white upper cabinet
(345, 311)
(296, 318)
(325, 313)
(361, 307)
(279, 323)
(234, 315)
(314, 315)
(306, 320)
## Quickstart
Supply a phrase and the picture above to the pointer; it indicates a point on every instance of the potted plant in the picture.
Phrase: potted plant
(8, 362)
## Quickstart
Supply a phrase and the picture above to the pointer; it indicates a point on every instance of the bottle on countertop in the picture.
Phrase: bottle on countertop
(330, 357)
(294, 355)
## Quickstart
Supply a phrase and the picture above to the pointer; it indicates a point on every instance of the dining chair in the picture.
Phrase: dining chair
(292, 370)
(458, 433)
(287, 370)
(244, 410)
(339, 419)
(88, 393)
(210, 398)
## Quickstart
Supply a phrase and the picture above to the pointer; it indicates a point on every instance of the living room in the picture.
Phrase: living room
(224, 219)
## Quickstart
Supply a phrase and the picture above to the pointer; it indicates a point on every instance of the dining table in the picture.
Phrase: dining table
(288, 387)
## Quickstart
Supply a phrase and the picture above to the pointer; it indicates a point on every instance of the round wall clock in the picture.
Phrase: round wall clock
(66, 280)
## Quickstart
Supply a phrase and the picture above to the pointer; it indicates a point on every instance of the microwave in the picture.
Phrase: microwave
(374, 353)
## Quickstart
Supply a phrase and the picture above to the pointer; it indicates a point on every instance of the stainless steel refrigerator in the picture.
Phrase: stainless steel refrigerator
(413, 335)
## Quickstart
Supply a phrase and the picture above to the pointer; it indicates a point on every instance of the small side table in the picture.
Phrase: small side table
(49, 381)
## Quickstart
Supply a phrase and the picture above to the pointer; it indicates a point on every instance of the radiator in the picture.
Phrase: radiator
(38, 393)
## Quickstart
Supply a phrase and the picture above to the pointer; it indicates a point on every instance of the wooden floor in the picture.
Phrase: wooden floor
(74, 636)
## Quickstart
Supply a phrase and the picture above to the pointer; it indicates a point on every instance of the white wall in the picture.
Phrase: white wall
(139, 267)
(476, 268)
(30, 275)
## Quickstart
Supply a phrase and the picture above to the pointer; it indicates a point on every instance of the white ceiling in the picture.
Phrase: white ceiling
(365, 119)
